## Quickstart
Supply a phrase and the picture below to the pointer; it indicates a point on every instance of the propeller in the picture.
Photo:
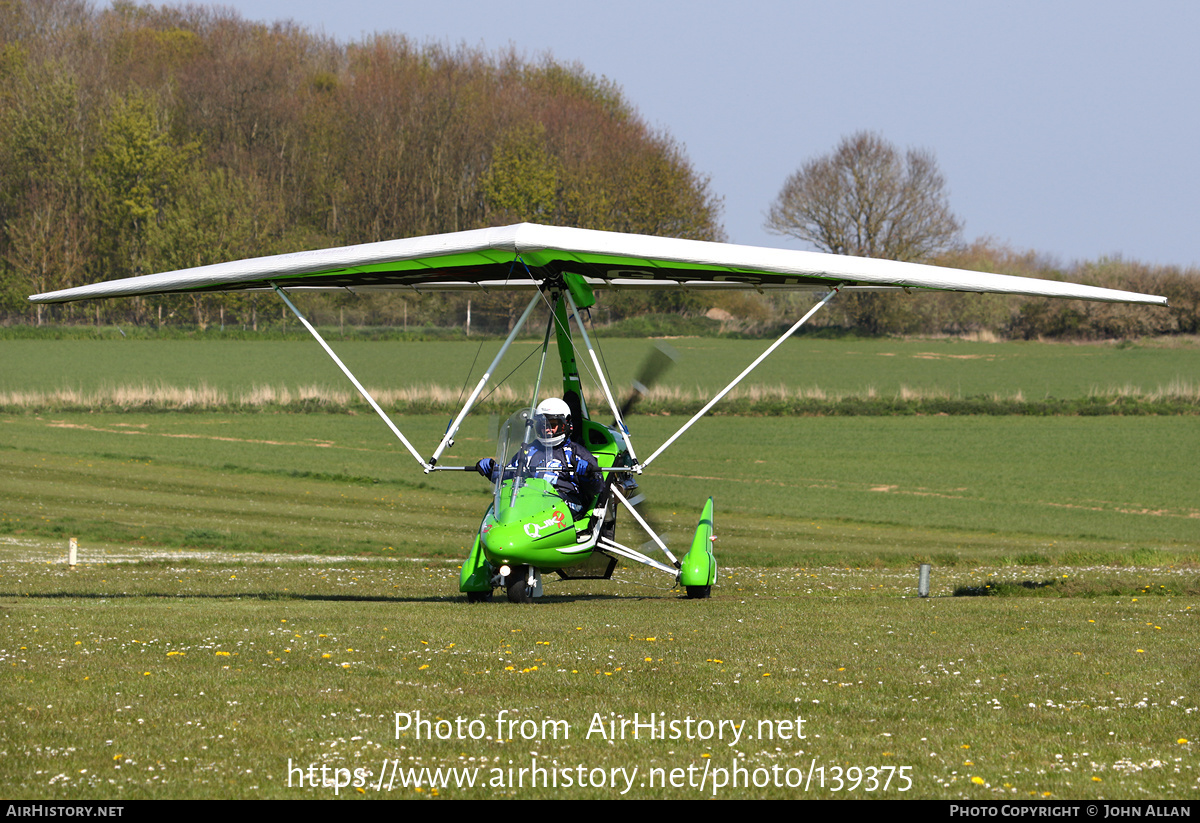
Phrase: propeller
(661, 358)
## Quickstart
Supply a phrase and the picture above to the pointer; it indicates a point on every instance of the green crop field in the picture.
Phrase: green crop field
(266, 601)
(836, 366)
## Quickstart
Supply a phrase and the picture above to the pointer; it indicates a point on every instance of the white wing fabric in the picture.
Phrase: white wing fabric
(521, 256)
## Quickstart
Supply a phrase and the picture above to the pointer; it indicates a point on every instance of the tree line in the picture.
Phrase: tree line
(138, 139)
(867, 198)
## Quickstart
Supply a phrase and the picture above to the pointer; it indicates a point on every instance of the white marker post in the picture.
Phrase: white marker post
(72, 552)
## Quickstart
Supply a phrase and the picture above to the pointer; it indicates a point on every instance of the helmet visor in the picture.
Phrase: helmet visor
(550, 429)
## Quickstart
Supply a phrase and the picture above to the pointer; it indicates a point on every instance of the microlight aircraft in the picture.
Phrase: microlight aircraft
(529, 530)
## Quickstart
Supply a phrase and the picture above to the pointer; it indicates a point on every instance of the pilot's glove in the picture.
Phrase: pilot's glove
(485, 467)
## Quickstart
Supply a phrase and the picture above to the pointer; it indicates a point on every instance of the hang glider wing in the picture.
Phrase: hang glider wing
(517, 257)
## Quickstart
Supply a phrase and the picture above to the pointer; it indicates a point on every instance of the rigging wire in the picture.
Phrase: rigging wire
(603, 359)
(579, 360)
(537, 388)
(470, 372)
(501, 382)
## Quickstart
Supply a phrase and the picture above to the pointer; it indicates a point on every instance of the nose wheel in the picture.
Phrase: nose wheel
(520, 586)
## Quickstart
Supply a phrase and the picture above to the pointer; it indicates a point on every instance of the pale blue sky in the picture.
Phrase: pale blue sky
(1070, 128)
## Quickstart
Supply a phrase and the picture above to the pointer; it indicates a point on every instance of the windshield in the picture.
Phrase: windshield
(514, 434)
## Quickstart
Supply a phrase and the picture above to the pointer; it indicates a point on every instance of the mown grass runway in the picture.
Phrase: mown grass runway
(295, 587)
(821, 490)
(222, 679)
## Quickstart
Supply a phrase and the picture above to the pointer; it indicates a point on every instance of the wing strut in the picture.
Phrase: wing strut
(613, 547)
(738, 379)
(354, 380)
(450, 432)
(646, 526)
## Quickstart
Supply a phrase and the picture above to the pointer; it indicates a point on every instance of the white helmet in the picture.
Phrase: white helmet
(552, 421)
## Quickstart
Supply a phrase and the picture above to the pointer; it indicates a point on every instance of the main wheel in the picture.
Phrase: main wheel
(518, 590)
(479, 597)
(699, 592)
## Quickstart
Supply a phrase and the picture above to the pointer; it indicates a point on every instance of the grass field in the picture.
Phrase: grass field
(958, 367)
(222, 679)
(259, 590)
(830, 490)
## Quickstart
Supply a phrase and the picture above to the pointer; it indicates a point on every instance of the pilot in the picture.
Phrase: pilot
(555, 457)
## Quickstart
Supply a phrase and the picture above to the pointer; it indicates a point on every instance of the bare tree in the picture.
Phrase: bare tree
(868, 200)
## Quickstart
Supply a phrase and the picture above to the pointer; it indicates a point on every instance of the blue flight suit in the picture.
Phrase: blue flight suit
(568, 467)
